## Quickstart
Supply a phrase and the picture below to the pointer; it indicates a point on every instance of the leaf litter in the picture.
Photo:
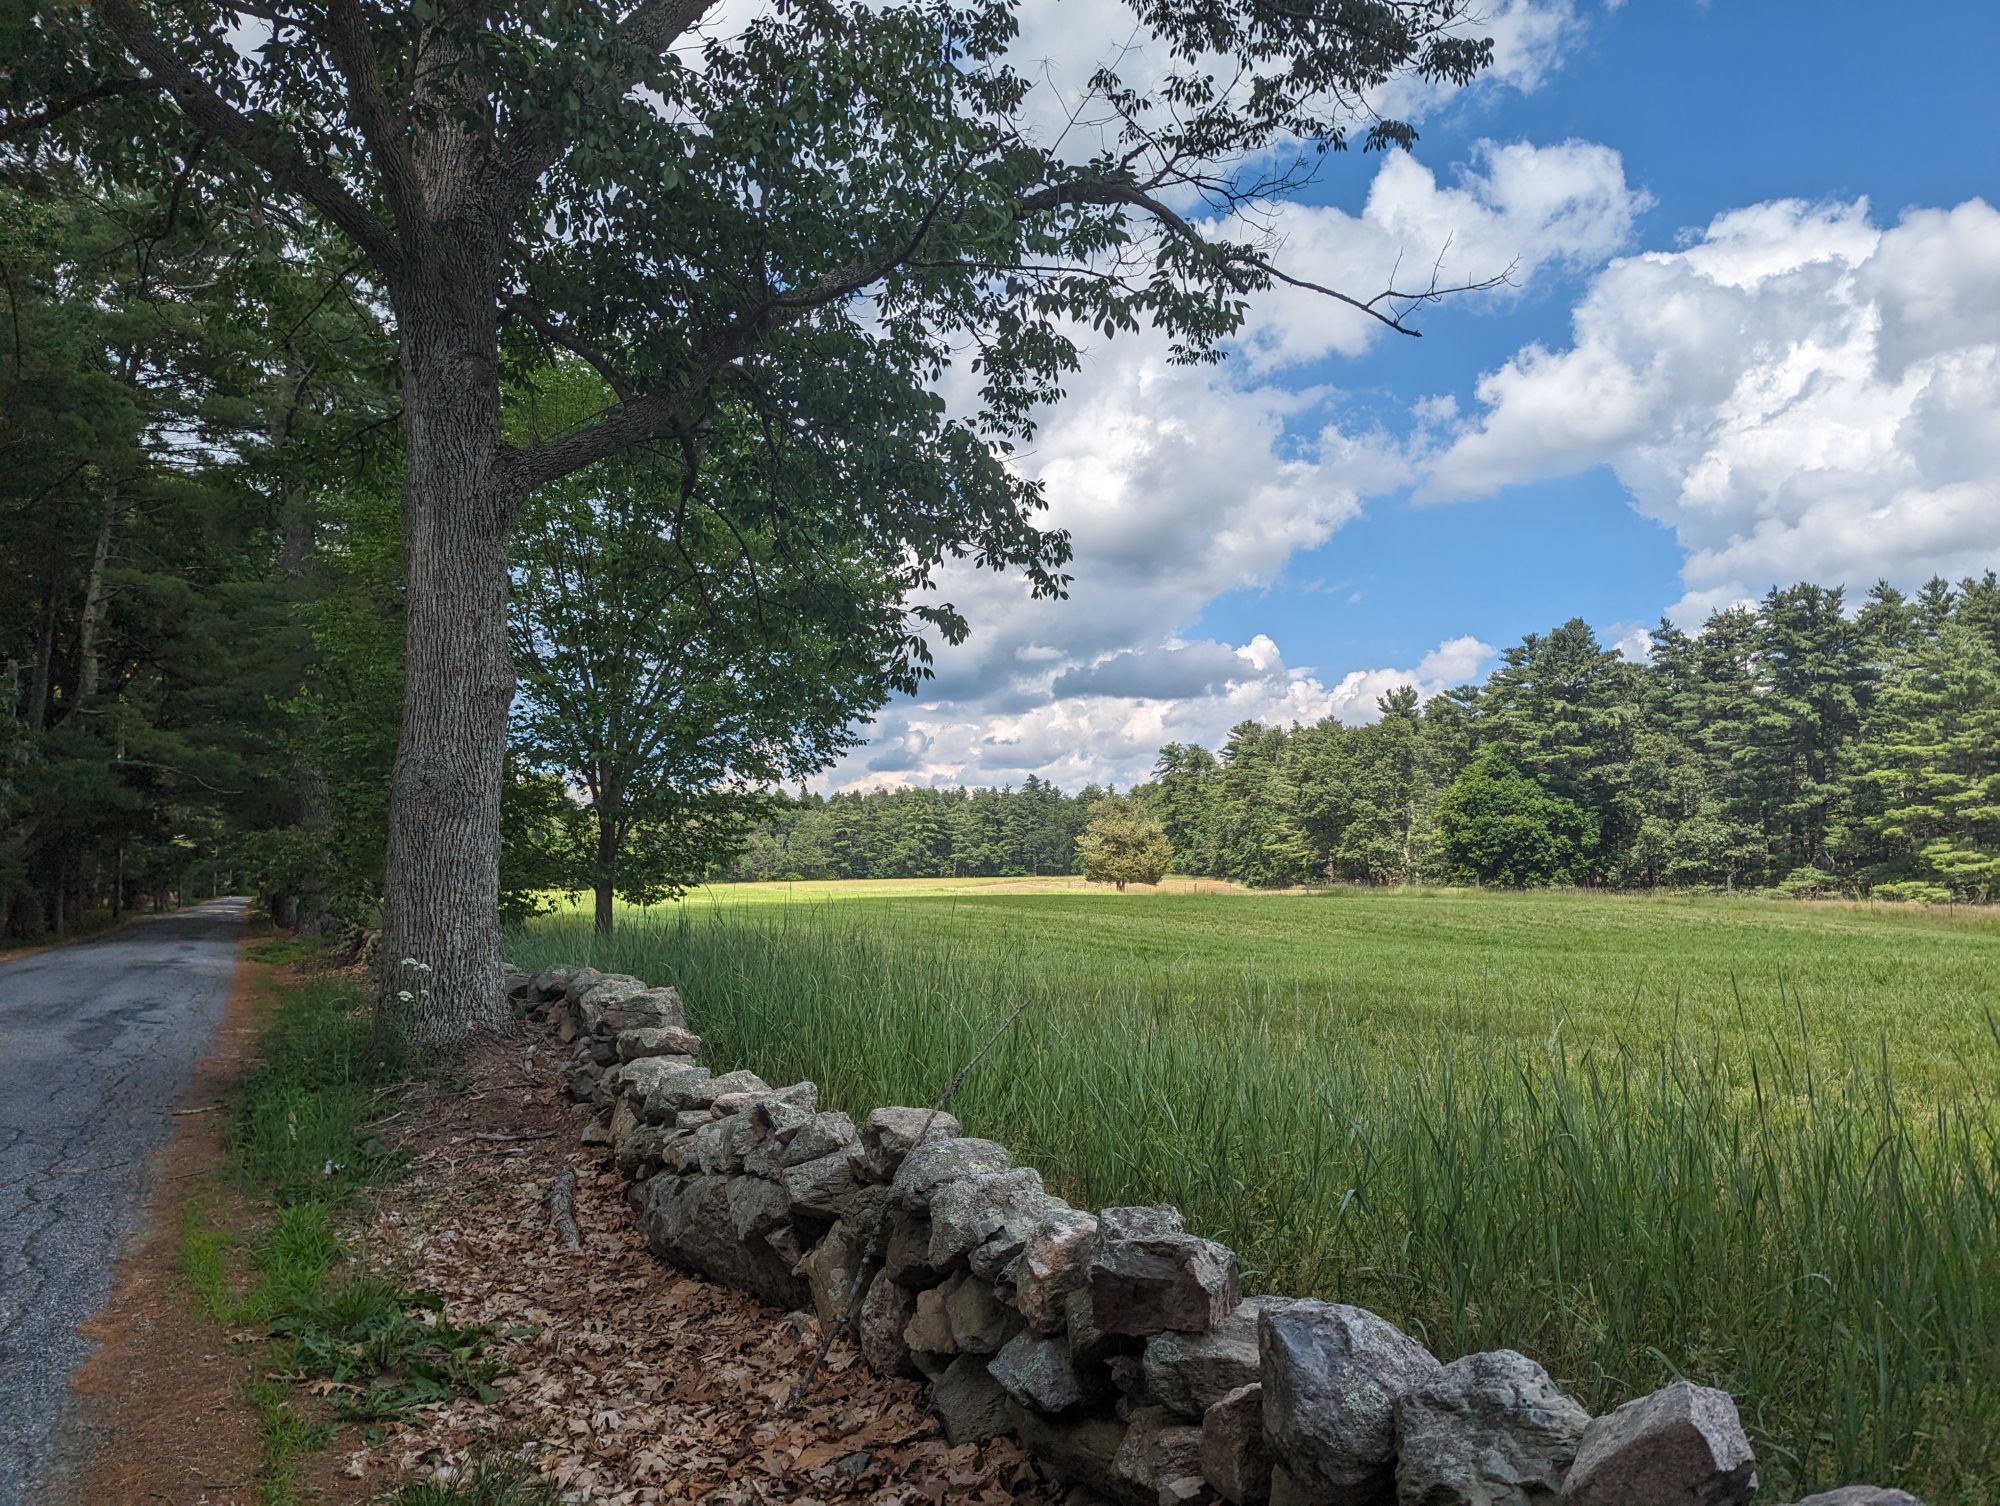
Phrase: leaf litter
(626, 1382)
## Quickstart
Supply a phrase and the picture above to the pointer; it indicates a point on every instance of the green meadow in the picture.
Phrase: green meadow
(1753, 1143)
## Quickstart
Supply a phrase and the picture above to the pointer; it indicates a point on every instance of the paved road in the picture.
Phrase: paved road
(96, 1043)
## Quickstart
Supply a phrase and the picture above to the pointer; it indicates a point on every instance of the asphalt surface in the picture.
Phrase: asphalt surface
(96, 1043)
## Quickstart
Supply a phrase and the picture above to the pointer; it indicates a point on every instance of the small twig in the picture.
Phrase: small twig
(867, 1260)
(562, 1208)
(206, 1108)
(503, 1135)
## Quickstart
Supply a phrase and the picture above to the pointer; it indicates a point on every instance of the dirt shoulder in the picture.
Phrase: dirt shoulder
(159, 1415)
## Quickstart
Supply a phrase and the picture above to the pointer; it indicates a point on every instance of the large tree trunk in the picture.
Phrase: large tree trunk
(441, 919)
(609, 822)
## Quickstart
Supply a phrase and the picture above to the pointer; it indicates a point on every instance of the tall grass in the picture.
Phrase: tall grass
(1755, 1209)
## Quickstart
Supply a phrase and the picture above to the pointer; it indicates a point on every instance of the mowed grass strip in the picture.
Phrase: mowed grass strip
(1751, 1143)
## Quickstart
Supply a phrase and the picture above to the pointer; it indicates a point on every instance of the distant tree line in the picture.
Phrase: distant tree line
(919, 833)
(1795, 745)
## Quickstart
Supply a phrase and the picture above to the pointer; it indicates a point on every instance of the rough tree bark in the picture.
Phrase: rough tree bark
(442, 904)
(609, 830)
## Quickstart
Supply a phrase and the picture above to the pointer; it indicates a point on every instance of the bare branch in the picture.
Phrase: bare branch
(552, 332)
(270, 147)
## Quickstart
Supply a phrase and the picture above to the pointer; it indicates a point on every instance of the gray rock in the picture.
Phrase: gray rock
(906, 1252)
(1055, 1261)
(721, 1144)
(929, 1329)
(739, 1081)
(829, 1269)
(687, 1221)
(885, 1312)
(888, 1135)
(970, 1403)
(934, 1163)
(649, 1009)
(669, 1087)
(552, 982)
(599, 1130)
(980, 1323)
(773, 1127)
(997, 1257)
(603, 993)
(643, 1151)
(1235, 1456)
(579, 983)
(1147, 1277)
(1486, 1430)
(1331, 1376)
(603, 1051)
(868, 1206)
(1190, 1372)
(1038, 1372)
(822, 1135)
(624, 1120)
(800, 1095)
(1128, 1376)
(1862, 1495)
(965, 1211)
(662, 1041)
(1681, 1446)
(679, 1154)
(820, 1186)
(515, 983)
(1088, 1344)
(1158, 1447)
(933, 1365)
(1286, 1490)
(1082, 1449)
(757, 1207)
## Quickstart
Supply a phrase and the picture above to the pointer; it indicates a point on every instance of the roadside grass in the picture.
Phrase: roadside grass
(1749, 1143)
(301, 1139)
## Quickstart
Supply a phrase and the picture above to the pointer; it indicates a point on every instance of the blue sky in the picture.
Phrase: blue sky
(1755, 337)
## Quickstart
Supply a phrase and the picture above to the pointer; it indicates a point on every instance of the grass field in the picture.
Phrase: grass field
(1753, 1143)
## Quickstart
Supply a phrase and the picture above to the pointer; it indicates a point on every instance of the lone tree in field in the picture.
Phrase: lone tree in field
(1123, 845)
(813, 217)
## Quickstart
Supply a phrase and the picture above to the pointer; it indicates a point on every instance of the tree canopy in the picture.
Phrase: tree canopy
(805, 223)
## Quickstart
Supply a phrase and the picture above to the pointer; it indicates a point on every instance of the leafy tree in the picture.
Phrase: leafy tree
(811, 222)
(1123, 845)
(1928, 784)
(1498, 825)
(675, 666)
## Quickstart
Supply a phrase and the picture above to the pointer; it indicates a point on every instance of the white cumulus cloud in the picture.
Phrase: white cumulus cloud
(1798, 391)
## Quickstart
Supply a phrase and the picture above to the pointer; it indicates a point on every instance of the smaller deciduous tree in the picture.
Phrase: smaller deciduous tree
(1497, 825)
(1121, 844)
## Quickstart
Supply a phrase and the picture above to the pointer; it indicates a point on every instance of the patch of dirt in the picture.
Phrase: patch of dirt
(160, 1418)
(628, 1382)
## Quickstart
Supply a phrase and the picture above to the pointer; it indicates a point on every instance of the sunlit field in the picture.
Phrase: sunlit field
(1749, 1142)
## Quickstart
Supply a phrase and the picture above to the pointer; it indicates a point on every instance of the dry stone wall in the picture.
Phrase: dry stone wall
(1116, 1345)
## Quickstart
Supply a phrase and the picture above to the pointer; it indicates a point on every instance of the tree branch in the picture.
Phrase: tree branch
(26, 125)
(354, 55)
(533, 147)
(269, 147)
(552, 332)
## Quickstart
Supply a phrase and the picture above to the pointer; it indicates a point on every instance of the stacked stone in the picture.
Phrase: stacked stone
(1117, 1346)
